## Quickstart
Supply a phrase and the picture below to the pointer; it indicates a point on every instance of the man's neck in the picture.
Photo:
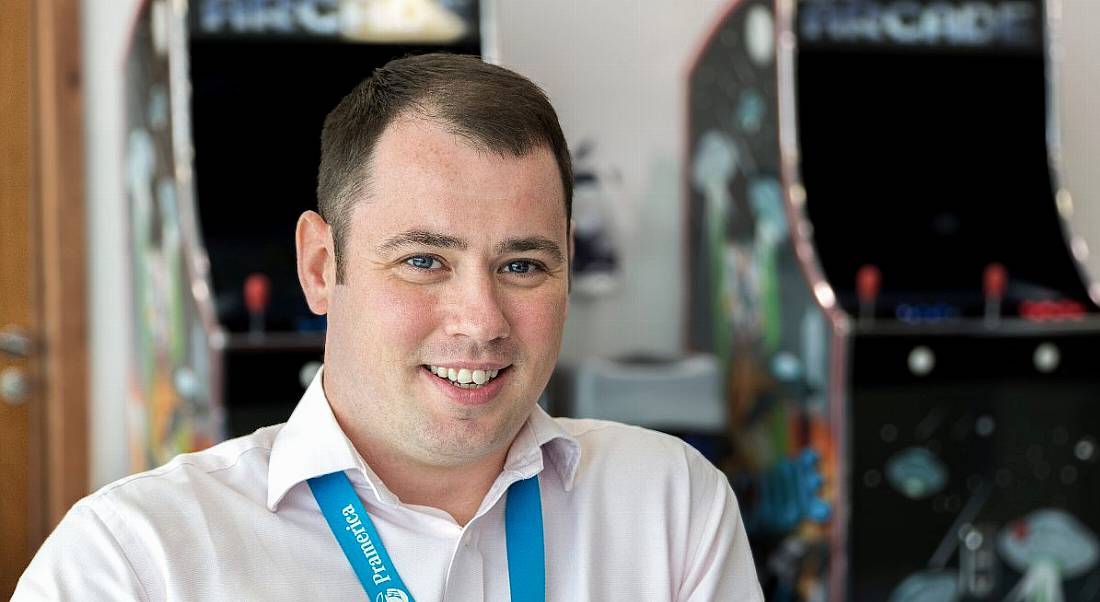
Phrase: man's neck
(457, 490)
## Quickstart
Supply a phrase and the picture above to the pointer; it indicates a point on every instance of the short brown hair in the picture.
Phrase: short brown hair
(491, 107)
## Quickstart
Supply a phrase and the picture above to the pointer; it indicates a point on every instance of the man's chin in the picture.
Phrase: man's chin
(465, 440)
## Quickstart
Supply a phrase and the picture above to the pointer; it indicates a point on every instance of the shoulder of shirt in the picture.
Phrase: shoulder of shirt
(180, 470)
(618, 442)
(580, 428)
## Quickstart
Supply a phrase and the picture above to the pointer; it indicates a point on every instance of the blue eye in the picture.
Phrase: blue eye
(519, 267)
(423, 262)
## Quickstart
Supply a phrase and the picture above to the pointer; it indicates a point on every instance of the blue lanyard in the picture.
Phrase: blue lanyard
(355, 532)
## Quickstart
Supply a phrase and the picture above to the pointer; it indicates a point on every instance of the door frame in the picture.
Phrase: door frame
(60, 422)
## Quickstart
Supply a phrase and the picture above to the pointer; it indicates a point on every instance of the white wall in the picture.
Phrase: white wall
(1079, 74)
(616, 71)
(105, 29)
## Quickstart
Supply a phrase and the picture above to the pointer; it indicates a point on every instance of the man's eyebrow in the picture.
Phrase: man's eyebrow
(422, 238)
(531, 243)
(446, 241)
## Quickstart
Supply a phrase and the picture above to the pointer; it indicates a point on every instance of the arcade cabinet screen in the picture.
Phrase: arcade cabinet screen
(258, 108)
(922, 128)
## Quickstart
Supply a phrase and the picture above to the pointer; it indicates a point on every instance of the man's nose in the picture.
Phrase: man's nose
(476, 309)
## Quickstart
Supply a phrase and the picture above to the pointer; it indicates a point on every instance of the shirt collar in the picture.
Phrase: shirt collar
(311, 444)
(542, 437)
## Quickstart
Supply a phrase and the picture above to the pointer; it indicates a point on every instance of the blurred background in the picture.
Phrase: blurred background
(840, 246)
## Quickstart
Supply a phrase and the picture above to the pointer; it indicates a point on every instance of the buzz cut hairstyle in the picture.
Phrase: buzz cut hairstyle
(490, 107)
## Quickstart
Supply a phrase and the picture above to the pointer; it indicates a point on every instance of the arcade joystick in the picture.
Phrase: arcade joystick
(868, 283)
(994, 283)
(257, 296)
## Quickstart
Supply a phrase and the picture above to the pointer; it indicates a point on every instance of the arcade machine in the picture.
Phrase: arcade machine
(174, 403)
(226, 99)
(880, 256)
(264, 75)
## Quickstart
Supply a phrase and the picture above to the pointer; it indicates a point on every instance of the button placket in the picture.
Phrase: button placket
(466, 576)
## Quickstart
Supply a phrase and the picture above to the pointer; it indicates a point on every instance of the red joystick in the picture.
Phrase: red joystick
(257, 292)
(868, 281)
(995, 280)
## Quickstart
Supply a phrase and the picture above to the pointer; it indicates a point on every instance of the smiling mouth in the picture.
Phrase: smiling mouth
(464, 378)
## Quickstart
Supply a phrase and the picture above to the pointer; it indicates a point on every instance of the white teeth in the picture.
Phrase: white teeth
(464, 377)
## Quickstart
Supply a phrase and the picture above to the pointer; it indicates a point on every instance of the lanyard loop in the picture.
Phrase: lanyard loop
(523, 530)
(355, 532)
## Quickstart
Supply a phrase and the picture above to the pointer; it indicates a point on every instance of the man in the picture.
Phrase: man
(418, 465)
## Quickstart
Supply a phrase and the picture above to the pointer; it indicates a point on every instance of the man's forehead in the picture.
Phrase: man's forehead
(434, 144)
(424, 135)
(425, 185)
(453, 186)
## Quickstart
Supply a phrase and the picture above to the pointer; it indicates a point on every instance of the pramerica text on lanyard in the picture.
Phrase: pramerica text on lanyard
(355, 532)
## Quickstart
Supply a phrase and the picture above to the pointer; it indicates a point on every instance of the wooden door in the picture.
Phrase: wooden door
(15, 284)
(43, 323)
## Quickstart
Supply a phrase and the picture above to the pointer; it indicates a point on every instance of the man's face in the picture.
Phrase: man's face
(456, 263)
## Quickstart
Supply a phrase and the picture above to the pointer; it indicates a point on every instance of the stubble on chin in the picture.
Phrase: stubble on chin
(465, 436)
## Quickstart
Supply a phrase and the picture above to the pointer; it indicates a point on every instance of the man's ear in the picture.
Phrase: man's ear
(572, 253)
(316, 260)
(572, 229)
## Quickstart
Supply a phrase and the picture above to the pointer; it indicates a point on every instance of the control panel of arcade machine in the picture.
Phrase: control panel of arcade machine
(971, 415)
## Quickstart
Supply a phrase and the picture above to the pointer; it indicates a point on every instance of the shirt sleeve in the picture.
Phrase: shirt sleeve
(81, 560)
(721, 566)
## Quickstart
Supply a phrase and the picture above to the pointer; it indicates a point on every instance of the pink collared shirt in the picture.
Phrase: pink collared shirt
(629, 514)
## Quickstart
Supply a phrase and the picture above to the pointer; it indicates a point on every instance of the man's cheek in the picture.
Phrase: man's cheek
(397, 321)
(543, 320)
